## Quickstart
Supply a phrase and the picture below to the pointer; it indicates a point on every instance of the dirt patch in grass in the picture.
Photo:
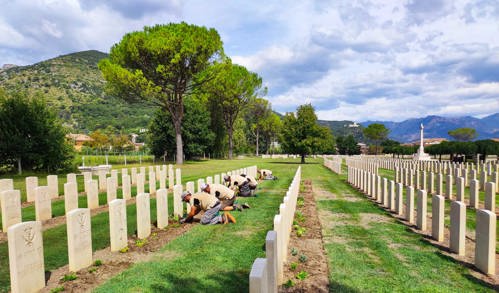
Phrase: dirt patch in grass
(321, 194)
(115, 262)
(368, 219)
(310, 255)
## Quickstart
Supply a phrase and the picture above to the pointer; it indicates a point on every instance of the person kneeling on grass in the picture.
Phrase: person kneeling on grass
(252, 184)
(226, 195)
(264, 174)
(211, 206)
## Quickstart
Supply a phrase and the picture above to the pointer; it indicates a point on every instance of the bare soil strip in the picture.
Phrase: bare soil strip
(114, 263)
(310, 244)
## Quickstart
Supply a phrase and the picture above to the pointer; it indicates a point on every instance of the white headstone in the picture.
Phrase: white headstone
(93, 194)
(111, 189)
(152, 183)
(177, 201)
(10, 202)
(43, 203)
(126, 187)
(79, 239)
(26, 263)
(70, 197)
(118, 224)
(143, 216)
(53, 184)
(178, 176)
(162, 207)
(31, 184)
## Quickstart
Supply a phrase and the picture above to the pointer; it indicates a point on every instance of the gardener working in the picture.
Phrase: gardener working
(225, 194)
(208, 203)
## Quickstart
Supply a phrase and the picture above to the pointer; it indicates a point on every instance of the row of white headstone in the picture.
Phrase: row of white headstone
(267, 273)
(418, 178)
(26, 262)
(389, 194)
(334, 164)
(433, 166)
(10, 199)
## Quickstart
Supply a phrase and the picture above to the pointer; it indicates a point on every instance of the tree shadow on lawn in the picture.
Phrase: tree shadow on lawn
(338, 287)
(220, 282)
(296, 163)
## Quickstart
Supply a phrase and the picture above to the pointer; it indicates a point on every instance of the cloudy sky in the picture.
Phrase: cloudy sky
(355, 60)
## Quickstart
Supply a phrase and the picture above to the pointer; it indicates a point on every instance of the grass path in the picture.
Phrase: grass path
(369, 251)
(214, 258)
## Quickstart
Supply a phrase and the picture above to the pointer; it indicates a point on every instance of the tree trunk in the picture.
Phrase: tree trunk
(231, 145)
(19, 167)
(302, 159)
(180, 145)
(257, 137)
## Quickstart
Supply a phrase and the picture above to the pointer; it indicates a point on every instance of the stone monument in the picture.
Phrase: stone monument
(421, 155)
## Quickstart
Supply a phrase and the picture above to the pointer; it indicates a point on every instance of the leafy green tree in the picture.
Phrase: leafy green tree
(301, 134)
(257, 115)
(463, 134)
(347, 145)
(161, 64)
(487, 147)
(197, 134)
(377, 133)
(390, 147)
(231, 87)
(271, 128)
(30, 134)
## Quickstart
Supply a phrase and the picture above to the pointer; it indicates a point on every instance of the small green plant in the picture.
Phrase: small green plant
(293, 266)
(92, 270)
(124, 249)
(302, 275)
(300, 201)
(97, 262)
(295, 222)
(140, 242)
(296, 226)
(300, 231)
(57, 289)
(154, 235)
(294, 251)
(299, 217)
(303, 258)
(289, 283)
(69, 277)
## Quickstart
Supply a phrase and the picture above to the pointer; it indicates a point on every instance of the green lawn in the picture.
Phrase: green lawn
(55, 240)
(380, 255)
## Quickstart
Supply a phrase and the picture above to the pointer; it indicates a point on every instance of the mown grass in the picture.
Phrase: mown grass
(55, 241)
(212, 258)
(383, 255)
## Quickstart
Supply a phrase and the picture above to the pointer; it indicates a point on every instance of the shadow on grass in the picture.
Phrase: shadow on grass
(471, 267)
(338, 287)
(296, 163)
(220, 282)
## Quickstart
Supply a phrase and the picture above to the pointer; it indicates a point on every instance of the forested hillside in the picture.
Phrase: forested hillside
(74, 87)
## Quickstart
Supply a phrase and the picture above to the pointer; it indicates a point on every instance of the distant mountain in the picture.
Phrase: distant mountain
(74, 87)
(344, 128)
(437, 126)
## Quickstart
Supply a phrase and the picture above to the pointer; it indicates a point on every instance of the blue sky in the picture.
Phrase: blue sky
(355, 60)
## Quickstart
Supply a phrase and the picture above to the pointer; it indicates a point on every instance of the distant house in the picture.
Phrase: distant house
(78, 140)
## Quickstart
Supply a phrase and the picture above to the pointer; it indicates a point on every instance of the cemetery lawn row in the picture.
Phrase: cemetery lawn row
(370, 251)
(215, 258)
(55, 239)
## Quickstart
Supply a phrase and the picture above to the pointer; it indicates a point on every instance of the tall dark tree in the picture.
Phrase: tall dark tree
(301, 134)
(161, 64)
(30, 134)
(257, 115)
(347, 145)
(195, 128)
(376, 132)
(231, 88)
(463, 134)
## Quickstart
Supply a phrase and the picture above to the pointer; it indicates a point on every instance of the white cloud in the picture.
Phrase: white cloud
(352, 59)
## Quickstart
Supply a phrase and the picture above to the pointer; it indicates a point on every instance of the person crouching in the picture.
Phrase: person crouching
(211, 206)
